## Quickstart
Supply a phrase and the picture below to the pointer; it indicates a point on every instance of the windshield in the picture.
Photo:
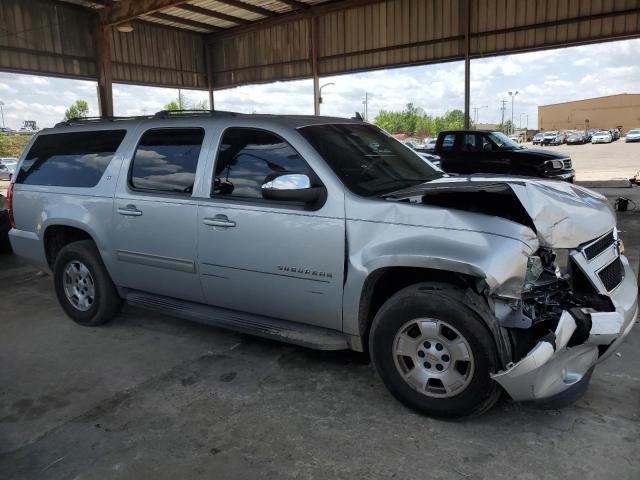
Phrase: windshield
(633, 132)
(503, 141)
(367, 160)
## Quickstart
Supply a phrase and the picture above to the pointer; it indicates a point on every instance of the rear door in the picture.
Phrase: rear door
(278, 259)
(448, 150)
(155, 215)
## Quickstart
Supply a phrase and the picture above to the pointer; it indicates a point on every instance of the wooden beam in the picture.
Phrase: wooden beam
(249, 8)
(313, 21)
(295, 4)
(184, 21)
(467, 62)
(103, 66)
(127, 10)
(213, 14)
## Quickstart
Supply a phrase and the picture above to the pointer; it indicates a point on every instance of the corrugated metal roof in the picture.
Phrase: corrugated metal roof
(250, 41)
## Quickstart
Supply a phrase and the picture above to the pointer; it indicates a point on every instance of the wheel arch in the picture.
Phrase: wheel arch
(57, 235)
(384, 282)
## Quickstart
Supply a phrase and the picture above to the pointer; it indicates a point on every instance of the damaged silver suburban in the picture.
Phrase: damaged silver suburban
(330, 234)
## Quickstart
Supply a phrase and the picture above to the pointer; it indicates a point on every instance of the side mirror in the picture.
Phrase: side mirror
(294, 187)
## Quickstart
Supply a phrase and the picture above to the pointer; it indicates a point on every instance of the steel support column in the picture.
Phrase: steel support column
(103, 64)
(467, 62)
(314, 64)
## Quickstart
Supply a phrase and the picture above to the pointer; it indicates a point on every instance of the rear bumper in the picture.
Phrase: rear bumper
(548, 370)
(29, 246)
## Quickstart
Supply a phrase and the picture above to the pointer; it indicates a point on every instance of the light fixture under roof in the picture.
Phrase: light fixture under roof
(125, 27)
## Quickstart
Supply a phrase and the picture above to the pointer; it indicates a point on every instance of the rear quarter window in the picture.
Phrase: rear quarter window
(76, 159)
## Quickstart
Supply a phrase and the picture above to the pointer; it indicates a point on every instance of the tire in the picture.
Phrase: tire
(441, 305)
(105, 302)
(5, 226)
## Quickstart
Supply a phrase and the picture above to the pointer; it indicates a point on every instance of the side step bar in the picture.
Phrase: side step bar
(285, 331)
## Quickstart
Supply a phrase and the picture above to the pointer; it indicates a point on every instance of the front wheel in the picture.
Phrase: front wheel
(83, 286)
(433, 353)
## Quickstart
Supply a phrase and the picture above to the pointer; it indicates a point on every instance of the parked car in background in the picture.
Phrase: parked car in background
(588, 134)
(428, 147)
(433, 160)
(632, 136)
(485, 151)
(615, 134)
(576, 138)
(537, 138)
(327, 233)
(602, 136)
(553, 137)
(5, 173)
(10, 162)
(515, 138)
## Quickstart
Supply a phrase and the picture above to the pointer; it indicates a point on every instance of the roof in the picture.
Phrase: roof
(592, 98)
(200, 16)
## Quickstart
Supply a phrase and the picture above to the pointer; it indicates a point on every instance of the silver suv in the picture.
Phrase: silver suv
(330, 234)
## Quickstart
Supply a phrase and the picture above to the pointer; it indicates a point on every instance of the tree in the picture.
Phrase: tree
(181, 103)
(413, 121)
(172, 106)
(80, 109)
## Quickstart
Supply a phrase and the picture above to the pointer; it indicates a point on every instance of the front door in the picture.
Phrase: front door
(155, 216)
(277, 259)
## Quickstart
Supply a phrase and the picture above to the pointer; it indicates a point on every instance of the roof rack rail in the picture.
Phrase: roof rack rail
(194, 113)
(83, 120)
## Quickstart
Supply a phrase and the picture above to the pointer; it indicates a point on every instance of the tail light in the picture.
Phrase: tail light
(12, 221)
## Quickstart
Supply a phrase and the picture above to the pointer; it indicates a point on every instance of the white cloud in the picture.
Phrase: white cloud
(540, 77)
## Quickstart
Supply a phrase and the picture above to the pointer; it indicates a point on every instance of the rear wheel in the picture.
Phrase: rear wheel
(434, 353)
(83, 286)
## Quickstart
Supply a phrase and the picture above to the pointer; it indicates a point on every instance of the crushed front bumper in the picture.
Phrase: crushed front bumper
(552, 368)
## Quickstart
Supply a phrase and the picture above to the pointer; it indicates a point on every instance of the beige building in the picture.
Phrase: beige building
(621, 111)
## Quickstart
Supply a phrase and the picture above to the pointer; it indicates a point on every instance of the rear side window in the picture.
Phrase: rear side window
(166, 160)
(70, 159)
(247, 157)
(448, 141)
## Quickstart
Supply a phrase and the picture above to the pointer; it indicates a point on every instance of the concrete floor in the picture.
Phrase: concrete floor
(149, 396)
(602, 161)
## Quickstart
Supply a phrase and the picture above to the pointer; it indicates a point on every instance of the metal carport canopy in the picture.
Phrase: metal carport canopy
(215, 44)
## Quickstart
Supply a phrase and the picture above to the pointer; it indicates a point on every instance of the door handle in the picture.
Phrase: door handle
(130, 211)
(219, 221)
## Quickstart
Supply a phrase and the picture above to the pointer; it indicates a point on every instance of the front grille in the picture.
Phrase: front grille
(567, 163)
(612, 274)
(599, 246)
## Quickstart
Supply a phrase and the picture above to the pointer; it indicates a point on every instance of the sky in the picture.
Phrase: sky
(541, 78)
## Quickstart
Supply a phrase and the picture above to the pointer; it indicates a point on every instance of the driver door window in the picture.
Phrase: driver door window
(247, 157)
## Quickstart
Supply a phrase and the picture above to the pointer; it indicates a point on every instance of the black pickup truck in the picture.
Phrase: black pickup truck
(485, 151)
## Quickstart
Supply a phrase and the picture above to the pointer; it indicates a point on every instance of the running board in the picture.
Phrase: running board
(283, 330)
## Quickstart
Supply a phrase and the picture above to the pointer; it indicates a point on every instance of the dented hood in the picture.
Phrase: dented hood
(563, 215)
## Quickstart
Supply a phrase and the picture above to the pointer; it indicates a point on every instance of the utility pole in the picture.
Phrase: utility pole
(475, 113)
(365, 102)
(2, 112)
(513, 97)
(503, 108)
